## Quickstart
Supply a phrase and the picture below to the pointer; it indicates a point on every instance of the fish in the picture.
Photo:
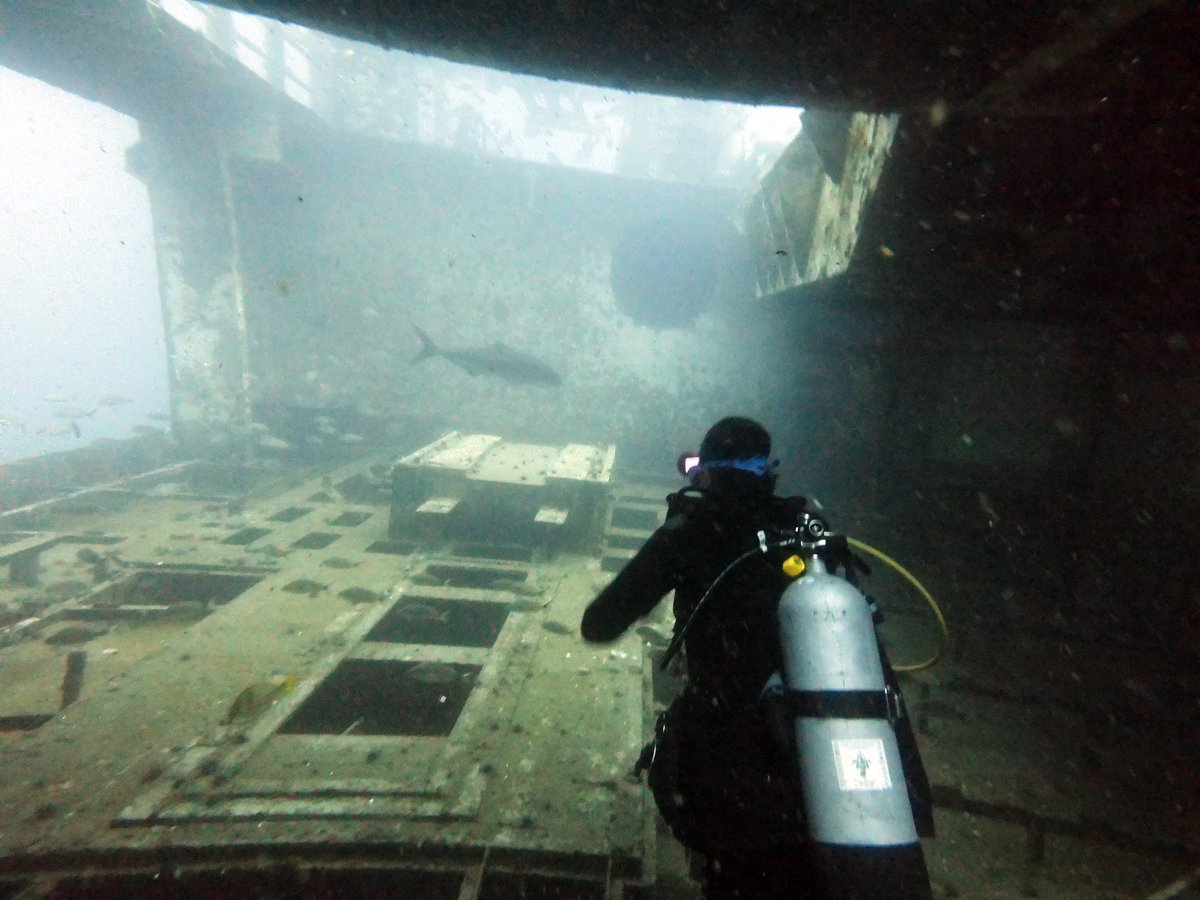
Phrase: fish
(74, 412)
(256, 699)
(424, 579)
(435, 673)
(360, 595)
(337, 562)
(270, 442)
(557, 627)
(305, 586)
(498, 360)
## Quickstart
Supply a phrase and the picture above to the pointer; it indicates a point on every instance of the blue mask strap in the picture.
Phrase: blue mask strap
(757, 465)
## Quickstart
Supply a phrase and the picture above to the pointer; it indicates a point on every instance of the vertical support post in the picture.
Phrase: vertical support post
(72, 685)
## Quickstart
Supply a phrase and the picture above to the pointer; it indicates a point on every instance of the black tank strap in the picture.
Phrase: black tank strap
(885, 704)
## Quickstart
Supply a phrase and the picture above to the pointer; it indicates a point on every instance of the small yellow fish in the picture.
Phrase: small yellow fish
(255, 700)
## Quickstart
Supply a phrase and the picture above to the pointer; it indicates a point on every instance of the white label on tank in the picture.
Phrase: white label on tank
(861, 765)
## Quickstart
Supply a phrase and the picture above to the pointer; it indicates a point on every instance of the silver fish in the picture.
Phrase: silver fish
(498, 360)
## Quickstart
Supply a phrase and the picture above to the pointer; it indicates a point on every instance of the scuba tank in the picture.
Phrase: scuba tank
(842, 709)
(849, 761)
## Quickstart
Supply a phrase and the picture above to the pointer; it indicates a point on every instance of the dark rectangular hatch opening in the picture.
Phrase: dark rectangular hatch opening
(513, 552)
(348, 519)
(216, 588)
(361, 489)
(386, 697)
(177, 592)
(502, 886)
(246, 536)
(315, 540)
(434, 620)
(396, 548)
(24, 723)
(474, 576)
(86, 538)
(263, 880)
(644, 517)
(290, 513)
(626, 541)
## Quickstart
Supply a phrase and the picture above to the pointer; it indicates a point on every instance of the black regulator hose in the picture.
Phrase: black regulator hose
(677, 641)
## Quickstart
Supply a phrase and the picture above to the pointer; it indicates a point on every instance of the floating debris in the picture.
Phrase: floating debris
(304, 586)
(1066, 427)
(255, 700)
(985, 504)
(360, 595)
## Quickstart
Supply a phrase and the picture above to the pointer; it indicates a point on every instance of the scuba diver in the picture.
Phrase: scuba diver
(728, 766)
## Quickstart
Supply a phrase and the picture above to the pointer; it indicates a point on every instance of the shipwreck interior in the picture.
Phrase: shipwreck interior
(317, 635)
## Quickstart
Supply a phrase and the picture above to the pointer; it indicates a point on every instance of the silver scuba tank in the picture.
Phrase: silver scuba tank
(848, 759)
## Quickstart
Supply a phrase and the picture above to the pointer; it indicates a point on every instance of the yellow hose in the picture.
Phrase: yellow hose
(911, 579)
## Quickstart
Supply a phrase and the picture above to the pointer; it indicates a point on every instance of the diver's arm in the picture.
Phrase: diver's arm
(636, 590)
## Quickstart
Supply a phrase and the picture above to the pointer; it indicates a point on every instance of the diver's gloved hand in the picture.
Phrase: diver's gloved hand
(643, 761)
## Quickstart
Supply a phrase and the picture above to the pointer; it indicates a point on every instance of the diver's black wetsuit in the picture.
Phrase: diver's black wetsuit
(720, 777)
